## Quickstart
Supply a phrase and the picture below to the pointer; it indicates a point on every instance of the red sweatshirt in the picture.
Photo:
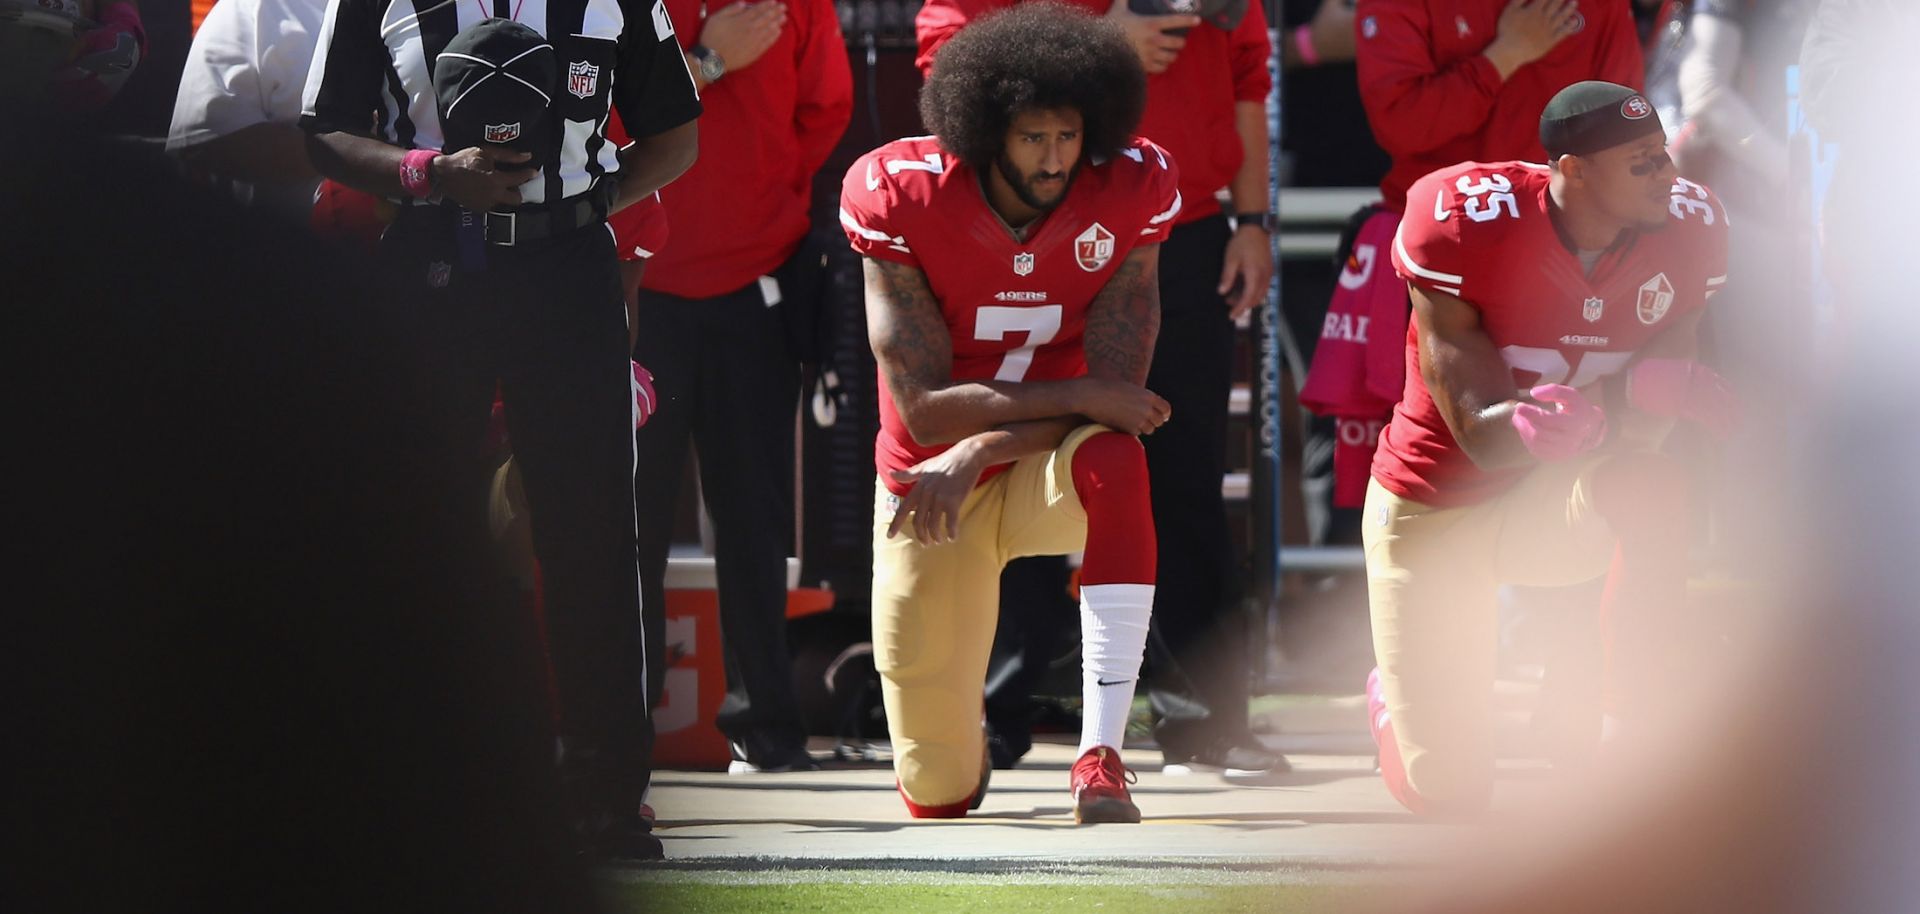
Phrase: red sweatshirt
(741, 210)
(1434, 100)
(1189, 107)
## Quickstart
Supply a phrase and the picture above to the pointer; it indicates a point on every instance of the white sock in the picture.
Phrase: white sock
(1113, 636)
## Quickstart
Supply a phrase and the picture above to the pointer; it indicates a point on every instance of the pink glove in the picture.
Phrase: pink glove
(1573, 426)
(102, 59)
(1684, 389)
(645, 401)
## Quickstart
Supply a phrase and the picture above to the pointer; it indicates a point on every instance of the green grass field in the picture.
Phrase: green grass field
(983, 895)
(927, 887)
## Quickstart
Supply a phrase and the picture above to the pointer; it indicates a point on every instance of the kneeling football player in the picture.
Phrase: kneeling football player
(1012, 304)
(1555, 310)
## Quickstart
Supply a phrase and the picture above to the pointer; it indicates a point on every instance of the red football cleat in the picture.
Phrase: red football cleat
(1100, 788)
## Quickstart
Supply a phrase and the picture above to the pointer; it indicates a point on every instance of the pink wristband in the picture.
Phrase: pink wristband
(416, 172)
(1303, 43)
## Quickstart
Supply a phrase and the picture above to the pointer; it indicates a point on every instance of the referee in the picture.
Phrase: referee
(503, 241)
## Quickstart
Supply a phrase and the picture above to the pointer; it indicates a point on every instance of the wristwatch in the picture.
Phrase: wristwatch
(1267, 222)
(712, 67)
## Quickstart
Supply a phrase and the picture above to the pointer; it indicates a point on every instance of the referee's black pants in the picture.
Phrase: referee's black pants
(1197, 656)
(728, 384)
(545, 321)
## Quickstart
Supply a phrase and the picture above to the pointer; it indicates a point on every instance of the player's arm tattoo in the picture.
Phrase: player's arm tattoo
(1124, 319)
(907, 331)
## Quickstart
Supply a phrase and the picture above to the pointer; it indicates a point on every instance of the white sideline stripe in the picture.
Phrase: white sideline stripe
(1170, 213)
(1423, 272)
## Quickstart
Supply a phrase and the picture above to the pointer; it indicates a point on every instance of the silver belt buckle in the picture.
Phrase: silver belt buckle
(511, 219)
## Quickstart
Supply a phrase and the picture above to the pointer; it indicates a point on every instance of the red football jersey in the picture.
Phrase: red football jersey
(1483, 233)
(1015, 310)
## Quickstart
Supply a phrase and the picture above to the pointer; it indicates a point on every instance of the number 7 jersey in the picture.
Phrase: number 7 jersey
(1483, 233)
(1015, 310)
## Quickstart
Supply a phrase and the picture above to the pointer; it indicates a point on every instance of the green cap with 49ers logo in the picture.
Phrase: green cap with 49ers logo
(1589, 116)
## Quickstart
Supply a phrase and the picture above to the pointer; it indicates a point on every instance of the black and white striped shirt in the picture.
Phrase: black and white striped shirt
(372, 75)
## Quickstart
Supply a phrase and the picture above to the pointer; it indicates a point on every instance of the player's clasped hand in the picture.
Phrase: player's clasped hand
(1123, 407)
(1563, 424)
(1684, 389)
(930, 511)
(481, 179)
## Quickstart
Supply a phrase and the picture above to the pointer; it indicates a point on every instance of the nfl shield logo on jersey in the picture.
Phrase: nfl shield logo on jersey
(438, 273)
(582, 78)
(1093, 248)
(1656, 296)
(503, 133)
(1022, 264)
(1592, 308)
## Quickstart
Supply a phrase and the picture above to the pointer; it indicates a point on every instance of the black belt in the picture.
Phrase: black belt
(545, 220)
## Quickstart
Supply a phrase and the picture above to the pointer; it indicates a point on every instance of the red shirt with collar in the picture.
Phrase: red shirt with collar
(741, 210)
(1189, 107)
(1434, 100)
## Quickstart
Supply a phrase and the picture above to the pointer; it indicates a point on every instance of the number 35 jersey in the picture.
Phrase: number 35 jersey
(1015, 310)
(1483, 233)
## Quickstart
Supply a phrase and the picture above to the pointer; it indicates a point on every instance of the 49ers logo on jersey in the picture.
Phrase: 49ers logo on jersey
(1093, 248)
(1656, 298)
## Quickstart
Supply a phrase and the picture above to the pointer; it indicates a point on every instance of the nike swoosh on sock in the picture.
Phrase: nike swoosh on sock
(1113, 683)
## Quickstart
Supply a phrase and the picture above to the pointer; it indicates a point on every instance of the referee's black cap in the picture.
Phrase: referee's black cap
(1589, 116)
(495, 83)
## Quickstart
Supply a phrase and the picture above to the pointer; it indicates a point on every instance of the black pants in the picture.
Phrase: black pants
(1197, 652)
(728, 383)
(546, 323)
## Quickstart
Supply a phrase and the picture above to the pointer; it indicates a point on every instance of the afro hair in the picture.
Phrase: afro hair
(1036, 56)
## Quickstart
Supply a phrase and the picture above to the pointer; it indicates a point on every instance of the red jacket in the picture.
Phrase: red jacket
(741, 210)
(1434, 100)
(1189, 107)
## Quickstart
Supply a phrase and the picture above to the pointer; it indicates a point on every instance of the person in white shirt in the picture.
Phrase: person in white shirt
(239, 100)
